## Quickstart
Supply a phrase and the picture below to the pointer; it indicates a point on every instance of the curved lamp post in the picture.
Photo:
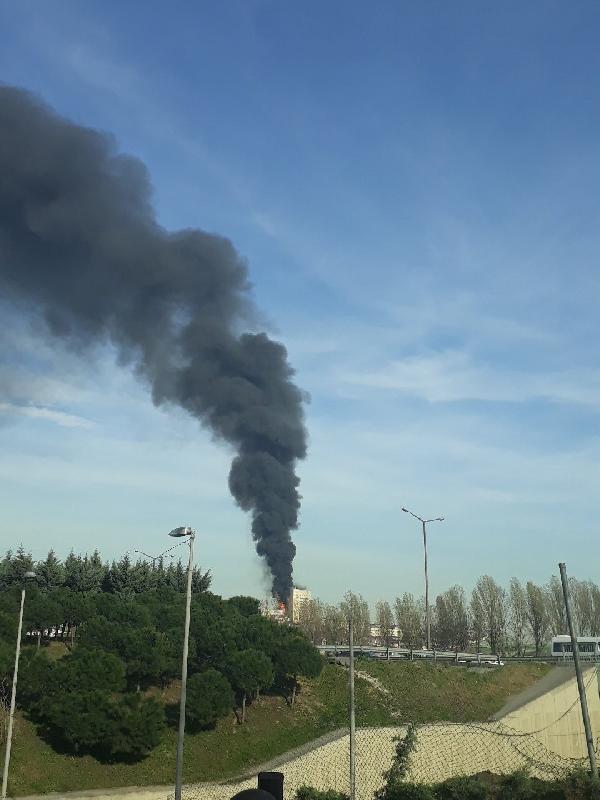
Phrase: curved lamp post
(178, 533)
(427, 614)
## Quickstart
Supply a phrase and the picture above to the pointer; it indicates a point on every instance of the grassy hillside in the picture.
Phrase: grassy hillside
(392, 694)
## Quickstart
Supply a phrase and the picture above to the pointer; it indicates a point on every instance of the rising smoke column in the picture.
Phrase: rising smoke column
(79, 240)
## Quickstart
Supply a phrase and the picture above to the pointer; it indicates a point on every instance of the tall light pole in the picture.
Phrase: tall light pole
(427, 614)
(13, 698)
(178, 532)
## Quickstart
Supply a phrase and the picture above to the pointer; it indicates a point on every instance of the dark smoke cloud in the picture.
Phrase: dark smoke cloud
(79, 241)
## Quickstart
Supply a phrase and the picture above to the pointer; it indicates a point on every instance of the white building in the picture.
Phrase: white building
(299, 595)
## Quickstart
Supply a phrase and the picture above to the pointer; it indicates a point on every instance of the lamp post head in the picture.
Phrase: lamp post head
(30, 575)
(406, 509)
(184, 530)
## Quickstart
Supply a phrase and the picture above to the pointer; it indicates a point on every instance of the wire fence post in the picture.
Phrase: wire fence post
(352, 710)
(582, 696)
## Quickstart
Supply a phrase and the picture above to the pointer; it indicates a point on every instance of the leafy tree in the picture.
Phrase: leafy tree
(249, 671)
(216, 628)
(175, 576)
(86, 669)
(356, 606)
(82, 720)
(142, 577)
(246, 606)
(37, 679)
(293, 657)
(72, 571)
(7, 660)
(50, 573)
(41, 613)
(20, 564)
(209, 697)
(138, 727)
(201, 581)
(6, 571)
(123, 610)
(258, 633)
(334, 624)
(119, 578)
(409, 619)
(8, 626)
(384, 619)
(94, 722)
(174, 639)
(451, 628)
(76, 608)
(311, 620)
(144, 651)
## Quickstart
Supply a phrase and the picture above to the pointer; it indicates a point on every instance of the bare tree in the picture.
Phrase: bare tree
(451, 628)
(517, 601)
(357, 606)
(310, 620)
(384, 619)
(491, 604)
(555, 606)
(477, 620)
(595, 628)
(409, 619)
(583, 606)
(334, 625)
(537, 614)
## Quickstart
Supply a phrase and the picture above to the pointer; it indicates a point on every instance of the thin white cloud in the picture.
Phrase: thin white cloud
(453, 376)
(60, 418)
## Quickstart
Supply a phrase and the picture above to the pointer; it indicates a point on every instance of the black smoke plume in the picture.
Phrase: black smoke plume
(79, 240)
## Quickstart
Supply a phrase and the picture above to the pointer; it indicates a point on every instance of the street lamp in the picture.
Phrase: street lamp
(26, 576)
(427, 614)
(178, 533)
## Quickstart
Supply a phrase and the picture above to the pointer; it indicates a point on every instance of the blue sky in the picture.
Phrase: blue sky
(415, 189)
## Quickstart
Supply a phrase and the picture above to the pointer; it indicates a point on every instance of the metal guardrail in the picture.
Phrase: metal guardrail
(406, 654)
(486, 659)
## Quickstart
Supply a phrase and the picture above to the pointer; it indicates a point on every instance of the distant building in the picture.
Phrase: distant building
(273, 610)
(377, 639)
(299, 595)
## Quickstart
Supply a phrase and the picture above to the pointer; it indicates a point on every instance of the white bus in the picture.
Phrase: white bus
(587, 646)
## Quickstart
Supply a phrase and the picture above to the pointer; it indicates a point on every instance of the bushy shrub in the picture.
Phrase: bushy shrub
(209, 697)
(308, 793)
(126, 728)
(394, 786)
(462, 788)
(88, 669)
(581, 786)
(139, 724)
(412, 791)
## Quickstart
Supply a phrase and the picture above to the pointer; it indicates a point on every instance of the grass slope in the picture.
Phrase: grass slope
(418, 692)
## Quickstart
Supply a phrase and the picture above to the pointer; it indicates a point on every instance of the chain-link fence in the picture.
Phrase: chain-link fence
(542, 735)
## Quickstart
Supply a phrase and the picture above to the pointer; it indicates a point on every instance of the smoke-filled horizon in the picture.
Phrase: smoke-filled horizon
(80, 243)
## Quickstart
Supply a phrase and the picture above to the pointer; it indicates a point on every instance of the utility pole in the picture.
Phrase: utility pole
(582, 696)
(352, 712)
(427, 610)
(13, 696)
